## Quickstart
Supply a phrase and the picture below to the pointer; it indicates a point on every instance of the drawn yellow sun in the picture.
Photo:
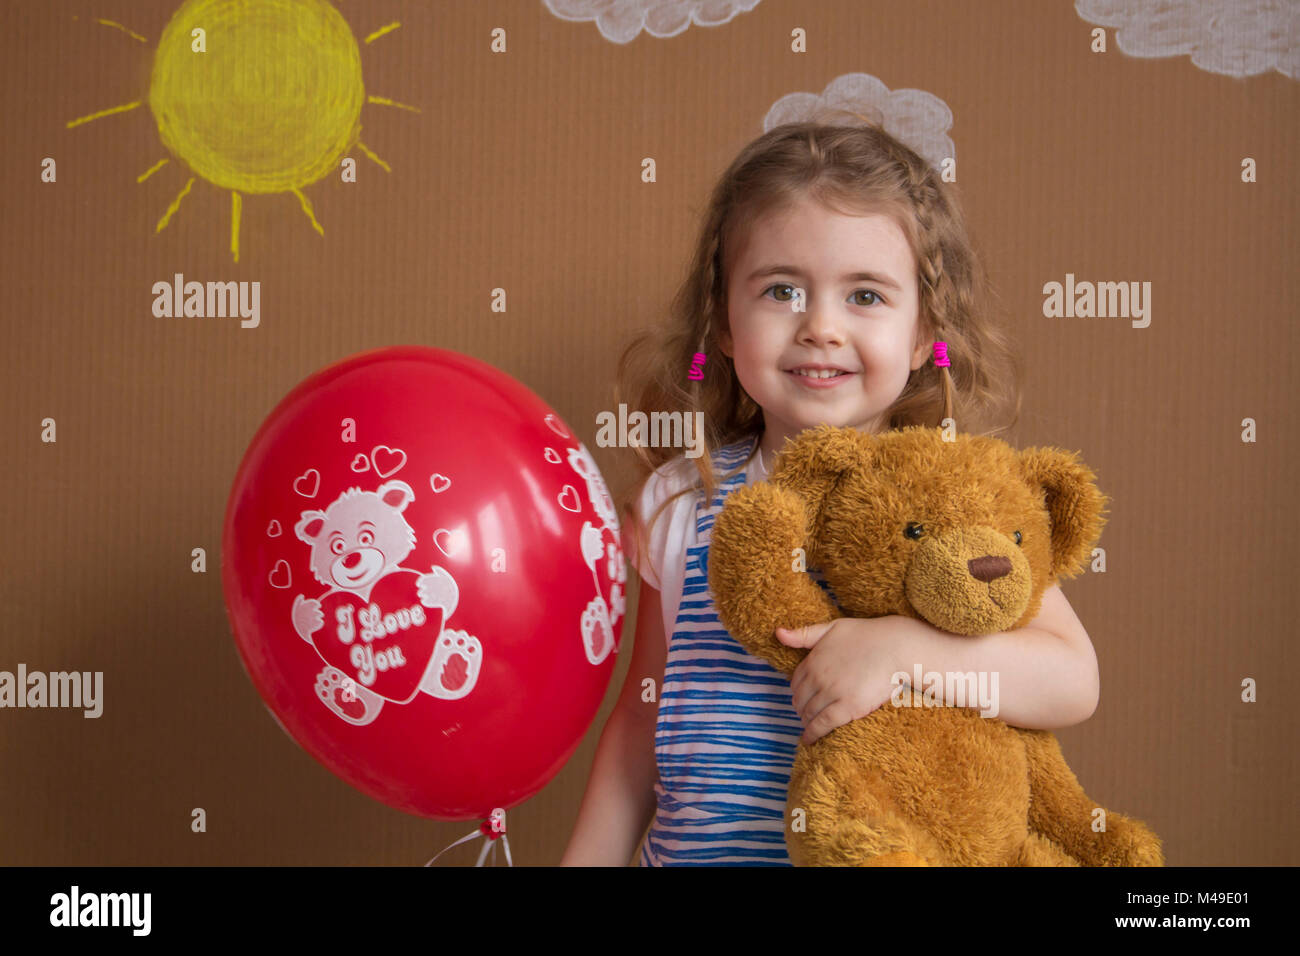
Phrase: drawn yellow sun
(256, 96)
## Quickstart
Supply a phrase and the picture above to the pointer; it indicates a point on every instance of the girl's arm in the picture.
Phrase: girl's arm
(1046, 671)
(619, 802)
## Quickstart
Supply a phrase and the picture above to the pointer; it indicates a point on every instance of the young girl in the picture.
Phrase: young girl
(830, 260)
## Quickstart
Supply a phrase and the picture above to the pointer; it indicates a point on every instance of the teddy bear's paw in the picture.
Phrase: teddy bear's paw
(1128, 842)
(597, 630)
(346, 698)
(757, 533)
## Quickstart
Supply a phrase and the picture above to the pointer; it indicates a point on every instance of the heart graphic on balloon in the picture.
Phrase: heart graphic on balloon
(568, 499)
(384, 643)
(387, 461)
(273, 529)
(439, 483)
(448, 542)
(308, 479)
(360, 463)
(557, 426)
(281, 576)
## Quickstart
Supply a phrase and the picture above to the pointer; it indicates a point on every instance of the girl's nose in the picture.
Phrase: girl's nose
(821, 326)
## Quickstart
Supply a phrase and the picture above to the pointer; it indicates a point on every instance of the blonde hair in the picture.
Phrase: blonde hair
(855, 170)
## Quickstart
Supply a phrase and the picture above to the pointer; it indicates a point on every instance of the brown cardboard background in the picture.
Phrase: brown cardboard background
(523, 171)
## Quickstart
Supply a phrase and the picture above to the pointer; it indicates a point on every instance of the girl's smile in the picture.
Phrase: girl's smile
(819, 379)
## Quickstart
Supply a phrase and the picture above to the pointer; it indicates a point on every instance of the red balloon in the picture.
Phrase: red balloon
(424, 574)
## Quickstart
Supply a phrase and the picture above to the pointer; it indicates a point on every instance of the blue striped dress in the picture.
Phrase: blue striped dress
(727, 730)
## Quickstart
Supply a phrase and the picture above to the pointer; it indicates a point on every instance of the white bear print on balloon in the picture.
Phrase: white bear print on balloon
(379, 627)
(604, 557)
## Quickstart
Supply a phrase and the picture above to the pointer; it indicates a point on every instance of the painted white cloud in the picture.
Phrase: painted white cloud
(919, 119)
(621, 20)
(1233, 37)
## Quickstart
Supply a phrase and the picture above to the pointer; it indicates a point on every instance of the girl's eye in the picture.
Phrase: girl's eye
(913, 530)
(875, 296)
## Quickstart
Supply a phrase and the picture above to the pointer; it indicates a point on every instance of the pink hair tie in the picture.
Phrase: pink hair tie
(941, 354)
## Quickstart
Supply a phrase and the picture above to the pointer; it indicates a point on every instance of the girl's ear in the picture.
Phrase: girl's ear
(922, 352)
(724, 342)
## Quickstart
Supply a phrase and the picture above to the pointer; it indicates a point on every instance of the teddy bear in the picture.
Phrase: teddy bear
(966, 533)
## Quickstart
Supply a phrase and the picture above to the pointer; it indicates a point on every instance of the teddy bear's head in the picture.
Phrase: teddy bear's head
(967, 533)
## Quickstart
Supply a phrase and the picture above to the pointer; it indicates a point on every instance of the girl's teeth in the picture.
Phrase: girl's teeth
(817, 373)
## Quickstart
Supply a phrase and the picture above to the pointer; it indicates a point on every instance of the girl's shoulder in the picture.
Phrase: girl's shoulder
(680, 472)
(666, 534)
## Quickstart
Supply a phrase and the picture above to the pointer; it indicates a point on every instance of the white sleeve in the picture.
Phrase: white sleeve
(664, 564)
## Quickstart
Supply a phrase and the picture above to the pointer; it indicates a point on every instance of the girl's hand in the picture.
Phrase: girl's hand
(846, 675)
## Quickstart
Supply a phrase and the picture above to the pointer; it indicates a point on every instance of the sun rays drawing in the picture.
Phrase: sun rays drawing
(255, 96)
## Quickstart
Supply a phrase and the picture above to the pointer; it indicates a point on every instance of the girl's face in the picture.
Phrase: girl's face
(864, 326)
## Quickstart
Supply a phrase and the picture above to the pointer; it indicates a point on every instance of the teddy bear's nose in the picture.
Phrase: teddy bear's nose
(989, 568)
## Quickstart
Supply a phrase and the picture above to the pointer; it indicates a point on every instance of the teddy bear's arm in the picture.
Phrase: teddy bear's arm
(752, 572)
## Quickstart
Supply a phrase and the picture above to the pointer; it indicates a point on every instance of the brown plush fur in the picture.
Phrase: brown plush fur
(917, 786)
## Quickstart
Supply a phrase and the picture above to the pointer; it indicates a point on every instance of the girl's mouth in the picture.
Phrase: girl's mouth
(823, 378)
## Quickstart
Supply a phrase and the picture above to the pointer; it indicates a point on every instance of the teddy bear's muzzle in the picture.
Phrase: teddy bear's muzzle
(970, 581)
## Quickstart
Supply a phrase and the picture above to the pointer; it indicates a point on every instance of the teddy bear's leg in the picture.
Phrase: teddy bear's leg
(1060, 810)
(849, 819)
(873, 839)
(1040, 851)
(901, 858)
(870, 840)
(1128, 842)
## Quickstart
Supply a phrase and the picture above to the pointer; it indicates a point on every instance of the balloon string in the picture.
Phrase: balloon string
(468, 836)
(490, 832)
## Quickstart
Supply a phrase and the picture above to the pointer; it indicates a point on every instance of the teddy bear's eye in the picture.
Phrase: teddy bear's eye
(1018, 538)
(913, 530)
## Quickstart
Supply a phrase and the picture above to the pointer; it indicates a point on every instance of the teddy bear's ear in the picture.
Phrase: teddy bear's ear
(1074, 504)
(813, 461)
